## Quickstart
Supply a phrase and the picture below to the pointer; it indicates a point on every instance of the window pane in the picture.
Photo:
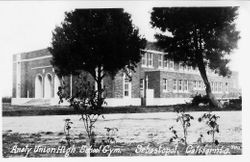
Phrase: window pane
(180, 85)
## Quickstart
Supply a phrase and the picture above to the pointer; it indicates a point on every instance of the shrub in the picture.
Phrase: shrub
(211, 122)
(184, 119)
(67, 128)
(6, 100)
(87, 103)
(200, 99)
(111, 135)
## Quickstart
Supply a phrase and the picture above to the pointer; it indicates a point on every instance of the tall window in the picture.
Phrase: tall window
(171, 64)
(176, 66)
(165, 64)
(184, 67)
(127, 86)
(215, 86)
(180, 85)
(150, 59)
(220, 86)
(203, 85)
(185, 85)
(141, 84)
(180, 67)
(160, 61)
(144, 59)
(194, 84)
(226, 87)
(165, 84)
(200, 84)
(175, 85)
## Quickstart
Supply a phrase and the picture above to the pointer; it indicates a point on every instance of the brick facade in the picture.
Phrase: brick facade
(161, 77)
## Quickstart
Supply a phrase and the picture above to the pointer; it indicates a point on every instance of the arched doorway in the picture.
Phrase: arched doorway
(39, 87)
(48, 86)
(56, 85)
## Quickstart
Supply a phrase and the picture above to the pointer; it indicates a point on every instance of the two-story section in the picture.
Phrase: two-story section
(165, 81)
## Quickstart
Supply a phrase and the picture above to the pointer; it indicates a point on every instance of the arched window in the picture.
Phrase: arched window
(48, 84)
(39, 86)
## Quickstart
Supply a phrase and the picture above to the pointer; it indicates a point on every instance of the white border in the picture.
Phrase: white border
(246, 90)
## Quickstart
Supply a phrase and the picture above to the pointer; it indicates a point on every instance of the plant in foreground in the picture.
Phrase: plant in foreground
(111, 135)
(211, 122)
(67, 128)
(184, 119)
(87, 103)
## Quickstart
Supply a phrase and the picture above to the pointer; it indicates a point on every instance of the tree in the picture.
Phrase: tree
(98, 41)
(199, 37)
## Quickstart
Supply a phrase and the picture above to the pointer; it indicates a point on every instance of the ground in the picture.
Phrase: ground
(135, 130)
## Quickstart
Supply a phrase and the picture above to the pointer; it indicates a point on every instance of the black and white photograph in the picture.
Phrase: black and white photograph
(123, 79)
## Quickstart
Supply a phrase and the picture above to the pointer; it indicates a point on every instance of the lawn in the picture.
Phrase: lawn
(138, 134)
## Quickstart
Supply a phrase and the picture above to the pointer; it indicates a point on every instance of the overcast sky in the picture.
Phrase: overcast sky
(27, 26)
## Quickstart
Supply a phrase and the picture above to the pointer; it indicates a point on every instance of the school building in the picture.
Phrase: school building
(155, 82)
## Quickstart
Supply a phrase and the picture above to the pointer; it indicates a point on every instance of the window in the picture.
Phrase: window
(203, 85)
(141, 84)
(144, 56)
(180, 67)
(127, 86)
(197, 84)
(194, 85)
(200, 85)
(226, 87)
(215, 87)
(220, 87)
(185, 85)
(160, 61)
(175, 85)
(176, 66)
(165, 64)
(165, 84)
(180, 85)
(150, 59)
(184, 67)
(171, 64)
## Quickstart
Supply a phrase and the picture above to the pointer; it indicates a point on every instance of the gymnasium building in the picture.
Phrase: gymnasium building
(156, 81)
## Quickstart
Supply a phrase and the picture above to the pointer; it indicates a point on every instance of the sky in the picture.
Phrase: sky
(27, 26)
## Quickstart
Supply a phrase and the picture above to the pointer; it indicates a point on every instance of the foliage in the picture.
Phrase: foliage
(111, 134)
(200, 99)
(6, 99)
(184, 119)
(91, 39)
(86, 103)
(200, 37)
(67, 128)
(211, 122)
(237, 101)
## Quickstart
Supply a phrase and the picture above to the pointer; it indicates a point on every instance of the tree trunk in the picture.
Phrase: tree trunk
(88, 145)
(203, 74)
(99, 87)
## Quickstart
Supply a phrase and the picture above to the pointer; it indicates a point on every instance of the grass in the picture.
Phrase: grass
(14, 110)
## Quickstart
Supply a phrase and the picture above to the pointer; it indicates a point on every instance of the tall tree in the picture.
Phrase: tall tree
(98, 41)
(199, 37)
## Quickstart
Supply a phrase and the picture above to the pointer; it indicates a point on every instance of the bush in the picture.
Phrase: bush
(237, 101)
(234, 104)
(200, 99)
(6, 100)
